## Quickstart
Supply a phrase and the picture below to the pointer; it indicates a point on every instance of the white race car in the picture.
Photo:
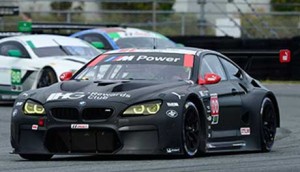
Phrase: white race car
(34, 61)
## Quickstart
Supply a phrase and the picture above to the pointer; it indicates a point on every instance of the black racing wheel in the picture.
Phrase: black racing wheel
(268, 125)
(48, 77)
(191, 130)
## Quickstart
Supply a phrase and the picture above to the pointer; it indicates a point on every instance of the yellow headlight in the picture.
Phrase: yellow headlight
(149, 108)
(33, 108)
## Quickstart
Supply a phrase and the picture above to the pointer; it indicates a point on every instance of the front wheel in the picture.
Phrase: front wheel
(48, 77)
(36, 157)
(191, 130)
(268, 125)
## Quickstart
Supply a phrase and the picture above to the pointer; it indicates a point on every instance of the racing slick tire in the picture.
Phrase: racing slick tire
(36, 157)
(191, 130)
(268, 125)
(48, 77)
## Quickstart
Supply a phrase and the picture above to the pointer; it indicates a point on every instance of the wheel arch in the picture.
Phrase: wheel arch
(200, 107)
(51, 68)
(40, 74)
(271, 96)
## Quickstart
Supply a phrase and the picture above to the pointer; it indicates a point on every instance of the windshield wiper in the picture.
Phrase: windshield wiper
(62, 48)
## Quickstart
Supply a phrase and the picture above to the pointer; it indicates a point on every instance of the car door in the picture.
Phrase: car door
(13, 58)
(225, 102)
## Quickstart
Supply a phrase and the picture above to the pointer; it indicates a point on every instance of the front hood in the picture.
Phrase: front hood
(128, 92)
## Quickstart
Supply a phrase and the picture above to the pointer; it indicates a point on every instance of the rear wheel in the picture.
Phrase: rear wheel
(268, 126)
(191, 130)
(48, 77)
(36, 157)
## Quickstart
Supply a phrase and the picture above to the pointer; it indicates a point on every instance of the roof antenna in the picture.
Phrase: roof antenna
(154, 43)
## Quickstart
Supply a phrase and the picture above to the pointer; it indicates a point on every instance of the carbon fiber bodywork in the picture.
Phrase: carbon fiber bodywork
(88, 116)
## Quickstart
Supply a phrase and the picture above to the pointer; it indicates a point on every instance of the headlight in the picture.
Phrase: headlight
(149, 108)
(33, 108)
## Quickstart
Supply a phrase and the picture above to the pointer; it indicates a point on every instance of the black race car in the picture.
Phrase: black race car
(137, 101)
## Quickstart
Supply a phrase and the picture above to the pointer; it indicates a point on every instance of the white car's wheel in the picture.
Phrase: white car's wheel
(48, 77)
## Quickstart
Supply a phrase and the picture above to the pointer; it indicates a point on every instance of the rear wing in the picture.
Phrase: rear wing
(283, 55)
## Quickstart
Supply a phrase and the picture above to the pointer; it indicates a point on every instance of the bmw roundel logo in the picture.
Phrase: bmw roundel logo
(172, 113)
(82, 103)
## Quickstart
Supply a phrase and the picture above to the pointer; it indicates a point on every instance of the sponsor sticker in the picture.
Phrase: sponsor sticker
(34, 127)
(215, 119)
(203, 93)
(104, 96)
(172, 104)
(172, 113)
(172, 150)
(65, 96)
(214, 106)
(79, 126)
(245, 131)
(19, 103)
(285, 56)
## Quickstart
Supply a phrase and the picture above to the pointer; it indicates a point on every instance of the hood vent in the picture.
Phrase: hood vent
(73, 85)
(130, 86)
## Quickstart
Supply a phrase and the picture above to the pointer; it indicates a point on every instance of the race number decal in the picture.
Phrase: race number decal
(16, 77)
(16, 80)
(214, 106)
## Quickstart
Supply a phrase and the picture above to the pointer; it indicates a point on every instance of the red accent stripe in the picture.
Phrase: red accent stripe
(97, 60)
(188, 60)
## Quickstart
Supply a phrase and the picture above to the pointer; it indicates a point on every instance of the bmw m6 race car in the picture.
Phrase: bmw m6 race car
(33, 61)
(111, 38)
(138, 101)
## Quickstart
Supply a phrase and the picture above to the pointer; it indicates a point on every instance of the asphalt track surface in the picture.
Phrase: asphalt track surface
(285, 155)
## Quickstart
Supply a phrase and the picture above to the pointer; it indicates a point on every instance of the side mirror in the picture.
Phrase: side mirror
(66, 76)
(209, 78)
(98, 45)
(14, 53)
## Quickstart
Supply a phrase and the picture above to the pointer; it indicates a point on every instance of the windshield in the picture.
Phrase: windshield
(144, 42)
(136, 67)
(66, 51)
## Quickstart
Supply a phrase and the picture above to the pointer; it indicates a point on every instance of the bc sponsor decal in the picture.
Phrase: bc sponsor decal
(245, 131)
(66, 96)
(79, 126)
(172, 113)
(214, 106)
